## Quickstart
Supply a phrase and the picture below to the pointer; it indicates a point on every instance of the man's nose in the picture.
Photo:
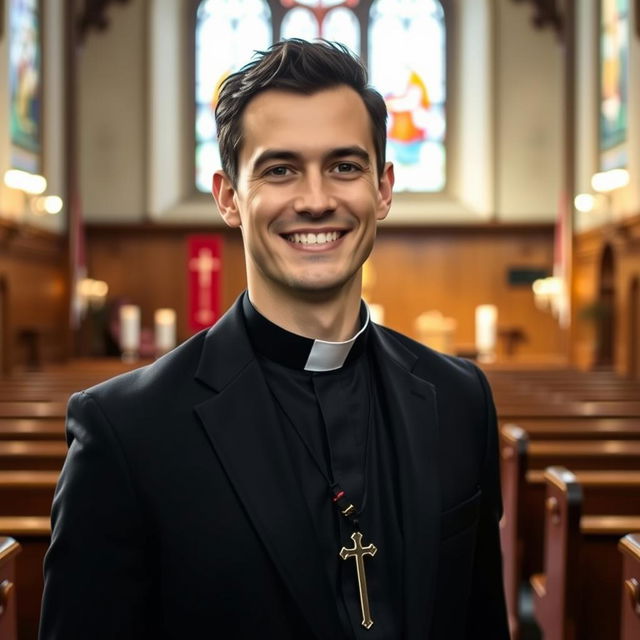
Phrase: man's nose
(315, 198)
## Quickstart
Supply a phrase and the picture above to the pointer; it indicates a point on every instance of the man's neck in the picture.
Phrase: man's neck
(320, 317)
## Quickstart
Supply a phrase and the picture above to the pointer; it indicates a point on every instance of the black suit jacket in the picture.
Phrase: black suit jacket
(177, 514)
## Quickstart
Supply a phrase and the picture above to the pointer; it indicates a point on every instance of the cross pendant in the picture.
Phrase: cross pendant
(358, 552)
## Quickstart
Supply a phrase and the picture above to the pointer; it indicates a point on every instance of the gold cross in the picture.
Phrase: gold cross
(358, 552)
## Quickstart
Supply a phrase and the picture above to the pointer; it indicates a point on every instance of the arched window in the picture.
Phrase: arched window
(402, 41)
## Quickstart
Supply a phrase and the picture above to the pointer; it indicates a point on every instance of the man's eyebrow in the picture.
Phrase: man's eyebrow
(355, 150)
(274, 154)
(285, 155)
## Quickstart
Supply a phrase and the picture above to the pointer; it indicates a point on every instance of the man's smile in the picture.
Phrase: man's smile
(314, 238)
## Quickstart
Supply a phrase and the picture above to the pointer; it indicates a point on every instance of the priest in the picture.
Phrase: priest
(295, 471)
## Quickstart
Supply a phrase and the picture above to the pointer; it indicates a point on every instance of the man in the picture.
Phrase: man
(295, 471)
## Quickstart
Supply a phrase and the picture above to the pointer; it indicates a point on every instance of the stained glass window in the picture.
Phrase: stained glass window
(227, 34)
(404, 49)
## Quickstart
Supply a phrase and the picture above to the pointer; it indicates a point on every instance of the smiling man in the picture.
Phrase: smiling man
(295, 471)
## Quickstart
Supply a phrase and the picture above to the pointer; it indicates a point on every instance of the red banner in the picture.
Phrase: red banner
(204, 267)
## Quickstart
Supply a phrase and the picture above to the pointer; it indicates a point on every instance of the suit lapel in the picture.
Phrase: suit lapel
(242, 425)
(412, 409)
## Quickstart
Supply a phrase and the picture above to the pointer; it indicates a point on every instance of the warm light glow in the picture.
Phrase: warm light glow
(23, 181)
(165, 316)
(584, 202)
(547, 286)
(547, 292)
(93, 291)
(606, 181)
(99, 289)
(53, 204)
(47, 204)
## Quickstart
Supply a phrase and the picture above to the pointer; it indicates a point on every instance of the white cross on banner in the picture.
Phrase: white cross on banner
(204, 262)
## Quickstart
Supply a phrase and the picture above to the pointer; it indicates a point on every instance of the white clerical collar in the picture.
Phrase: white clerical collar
(298, 352)
(329, 356)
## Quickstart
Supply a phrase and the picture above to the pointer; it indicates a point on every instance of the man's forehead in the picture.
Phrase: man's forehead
(286, 120)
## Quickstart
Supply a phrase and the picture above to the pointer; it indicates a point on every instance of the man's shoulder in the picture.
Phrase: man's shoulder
(164, 378)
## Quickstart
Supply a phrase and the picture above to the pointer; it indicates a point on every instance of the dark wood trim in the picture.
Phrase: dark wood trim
(632, 222)
(24, 240)
(5, 334)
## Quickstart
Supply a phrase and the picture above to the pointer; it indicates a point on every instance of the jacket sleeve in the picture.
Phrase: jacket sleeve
(487, 610)
(97, 578)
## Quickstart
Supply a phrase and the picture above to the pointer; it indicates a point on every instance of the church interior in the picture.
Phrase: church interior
(522, 254)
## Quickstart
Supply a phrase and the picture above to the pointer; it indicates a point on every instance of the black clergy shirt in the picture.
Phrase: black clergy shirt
(337, 428)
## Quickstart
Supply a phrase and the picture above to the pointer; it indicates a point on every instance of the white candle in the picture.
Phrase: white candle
(129, 328)
(165, 324)
(486, 331)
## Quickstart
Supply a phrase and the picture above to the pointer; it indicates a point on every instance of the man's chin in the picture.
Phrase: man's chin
(320, 288)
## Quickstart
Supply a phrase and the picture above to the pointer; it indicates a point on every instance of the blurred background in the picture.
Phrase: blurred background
(514, 127)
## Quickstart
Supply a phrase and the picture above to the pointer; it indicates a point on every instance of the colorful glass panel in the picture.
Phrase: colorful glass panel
(25, 77)
(299, 22)
(407, 50)
(407, 44)
(614, 84)
(227, 34)
(341, 25)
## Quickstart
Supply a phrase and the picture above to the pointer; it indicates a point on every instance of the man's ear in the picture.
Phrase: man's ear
(385, 191)
(224, 194)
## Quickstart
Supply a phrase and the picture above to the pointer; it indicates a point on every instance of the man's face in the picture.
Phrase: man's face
(308, 195)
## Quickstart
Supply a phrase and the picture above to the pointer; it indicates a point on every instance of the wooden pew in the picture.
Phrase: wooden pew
(522, 468)
(33, 409)
(32, 450)
(32, 429)
(33, 534)
(579, 428)
(27, 493)
(629, 546)
(9, 549)
(32, 454)
(577, 596)
(570, 409)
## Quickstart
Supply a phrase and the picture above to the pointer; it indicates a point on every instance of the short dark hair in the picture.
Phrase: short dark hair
(299, 66)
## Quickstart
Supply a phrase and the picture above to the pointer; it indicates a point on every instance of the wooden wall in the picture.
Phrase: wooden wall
(451, 269)
(33, 296)
(621, 241)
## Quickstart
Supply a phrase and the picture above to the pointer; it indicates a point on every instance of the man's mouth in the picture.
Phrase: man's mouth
(314, 238)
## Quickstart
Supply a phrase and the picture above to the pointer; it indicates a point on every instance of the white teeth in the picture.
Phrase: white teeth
(313, 238)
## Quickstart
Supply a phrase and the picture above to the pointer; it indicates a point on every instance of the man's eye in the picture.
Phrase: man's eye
(346, 167)
(278, 171)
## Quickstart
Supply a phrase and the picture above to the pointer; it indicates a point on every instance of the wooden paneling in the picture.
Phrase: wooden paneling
(451, 269)
(623, 239)
(146, 265)
(455, 269)
(33, 296)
